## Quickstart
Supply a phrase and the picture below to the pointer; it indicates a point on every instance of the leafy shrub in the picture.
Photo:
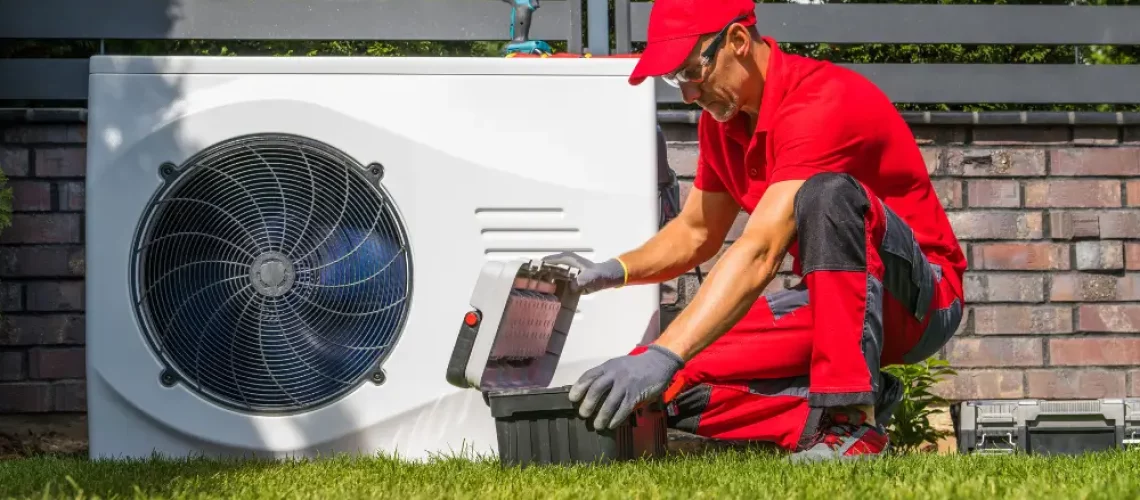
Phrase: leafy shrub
(910, 429)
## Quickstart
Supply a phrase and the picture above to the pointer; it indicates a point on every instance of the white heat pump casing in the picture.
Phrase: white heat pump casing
(484, 158)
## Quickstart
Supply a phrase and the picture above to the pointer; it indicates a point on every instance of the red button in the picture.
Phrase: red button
(471, 319)
(754, 172)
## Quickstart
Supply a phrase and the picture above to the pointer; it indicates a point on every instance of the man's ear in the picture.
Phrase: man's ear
(740, 40)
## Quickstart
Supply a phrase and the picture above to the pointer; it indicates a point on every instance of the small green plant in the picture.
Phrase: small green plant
(910, 428)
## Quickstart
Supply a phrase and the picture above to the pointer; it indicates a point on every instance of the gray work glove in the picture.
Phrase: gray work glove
(614, 388)
(592, 277)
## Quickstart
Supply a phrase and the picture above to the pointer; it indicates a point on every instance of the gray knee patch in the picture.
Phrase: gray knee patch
(831, 230)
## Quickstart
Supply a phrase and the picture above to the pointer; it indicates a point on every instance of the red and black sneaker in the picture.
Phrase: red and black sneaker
(844, 435)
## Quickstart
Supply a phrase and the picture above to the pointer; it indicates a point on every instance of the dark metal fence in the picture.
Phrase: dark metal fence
(565, 20)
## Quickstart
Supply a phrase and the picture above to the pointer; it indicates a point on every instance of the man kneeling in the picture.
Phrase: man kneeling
(827, 171)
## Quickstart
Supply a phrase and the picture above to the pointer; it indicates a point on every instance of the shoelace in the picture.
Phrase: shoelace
(832, 428)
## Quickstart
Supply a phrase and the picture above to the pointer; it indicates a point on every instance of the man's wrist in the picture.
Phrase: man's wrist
(624, 272)
(667, 353)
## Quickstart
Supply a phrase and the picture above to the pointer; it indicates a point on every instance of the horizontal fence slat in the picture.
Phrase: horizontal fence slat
(66, 79)
(281, 19)
(43, 79)
(992, 83)
(965, 24)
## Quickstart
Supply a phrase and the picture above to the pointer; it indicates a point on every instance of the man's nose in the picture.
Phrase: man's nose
(690, 92)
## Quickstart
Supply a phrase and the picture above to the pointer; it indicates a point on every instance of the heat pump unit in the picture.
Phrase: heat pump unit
(281, 251)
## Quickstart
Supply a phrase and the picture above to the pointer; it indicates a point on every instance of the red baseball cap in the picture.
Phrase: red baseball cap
(675, 26)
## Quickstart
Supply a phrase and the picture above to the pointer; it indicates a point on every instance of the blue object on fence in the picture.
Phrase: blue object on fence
(521, 12)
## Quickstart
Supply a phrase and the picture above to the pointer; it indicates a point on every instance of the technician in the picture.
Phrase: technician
(829, 172)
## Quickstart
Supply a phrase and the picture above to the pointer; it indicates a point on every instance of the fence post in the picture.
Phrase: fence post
(598, 27)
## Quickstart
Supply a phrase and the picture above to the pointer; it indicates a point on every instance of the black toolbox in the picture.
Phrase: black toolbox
(508, 347)
(1036, 426)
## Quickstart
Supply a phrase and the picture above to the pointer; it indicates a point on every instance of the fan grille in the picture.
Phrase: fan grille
(273, 273)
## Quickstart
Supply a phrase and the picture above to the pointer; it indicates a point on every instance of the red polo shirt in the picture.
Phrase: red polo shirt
(819, 117)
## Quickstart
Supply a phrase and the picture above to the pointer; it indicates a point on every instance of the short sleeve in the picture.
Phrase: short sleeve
(808, 140)
(710, 157)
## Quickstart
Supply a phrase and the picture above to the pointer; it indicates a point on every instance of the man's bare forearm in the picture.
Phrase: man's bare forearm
(673, 251)
(733, 286)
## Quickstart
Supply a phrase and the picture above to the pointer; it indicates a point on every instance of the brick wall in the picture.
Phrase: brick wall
(41, 270)
(1050, 220)
(1050, 217)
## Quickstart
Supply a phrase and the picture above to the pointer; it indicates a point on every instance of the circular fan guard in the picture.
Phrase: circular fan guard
(272, 273)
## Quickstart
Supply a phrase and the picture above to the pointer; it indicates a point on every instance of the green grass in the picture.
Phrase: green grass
(728, 474)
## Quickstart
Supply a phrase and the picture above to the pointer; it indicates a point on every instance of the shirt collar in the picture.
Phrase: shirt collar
(774, 91)
(774, 88)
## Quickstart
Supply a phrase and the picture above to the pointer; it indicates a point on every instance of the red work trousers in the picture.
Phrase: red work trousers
(869, 297)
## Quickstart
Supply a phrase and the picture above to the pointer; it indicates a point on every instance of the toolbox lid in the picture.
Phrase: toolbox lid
(512, 337)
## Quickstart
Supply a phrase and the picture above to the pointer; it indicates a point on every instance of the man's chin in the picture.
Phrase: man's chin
(722, 114)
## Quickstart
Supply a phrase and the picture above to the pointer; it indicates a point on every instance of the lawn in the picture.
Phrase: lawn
(725, 474)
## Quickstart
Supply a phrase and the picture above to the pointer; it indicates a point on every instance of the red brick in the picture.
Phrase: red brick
(1095, 161)
(42, 262)
(938, 134)
(72, 196)
(1119, 224)
(737, 227)
(1075, 384)
(683, 159)
(57, 134)
(61, 162)
(1110, 318)
(1095, 288)
(25, 397)
(998, 287)
(995, 162)
(1074, 225)
(11, 297)
(41, 329)
(69, 396)
(1096, 136)
(932, 156)
(1021, 135)
(997, 225)
(994, 193)
(57, 363)
(949, 193)
(1020, 256)
(42, 228)
(55, 296)
(1100, 255)
(1133, 188)
(982, 384)
(1132, 256)
(1134, 385)
(11, 365)
(14, 162)
(1095, 351)
(975, 352)
(31, 196)
(1072, 193)
(1014, 320)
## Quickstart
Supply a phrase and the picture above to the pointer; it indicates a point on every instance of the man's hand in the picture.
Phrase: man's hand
(620, 384)
(592, 277)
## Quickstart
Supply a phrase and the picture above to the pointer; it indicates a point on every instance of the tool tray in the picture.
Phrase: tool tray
(508, 348)
(1046, 427)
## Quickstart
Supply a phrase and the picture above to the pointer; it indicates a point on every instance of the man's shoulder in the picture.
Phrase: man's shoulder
(832, 99)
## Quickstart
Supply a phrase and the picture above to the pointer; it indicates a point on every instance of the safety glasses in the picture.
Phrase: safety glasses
(695, 74)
